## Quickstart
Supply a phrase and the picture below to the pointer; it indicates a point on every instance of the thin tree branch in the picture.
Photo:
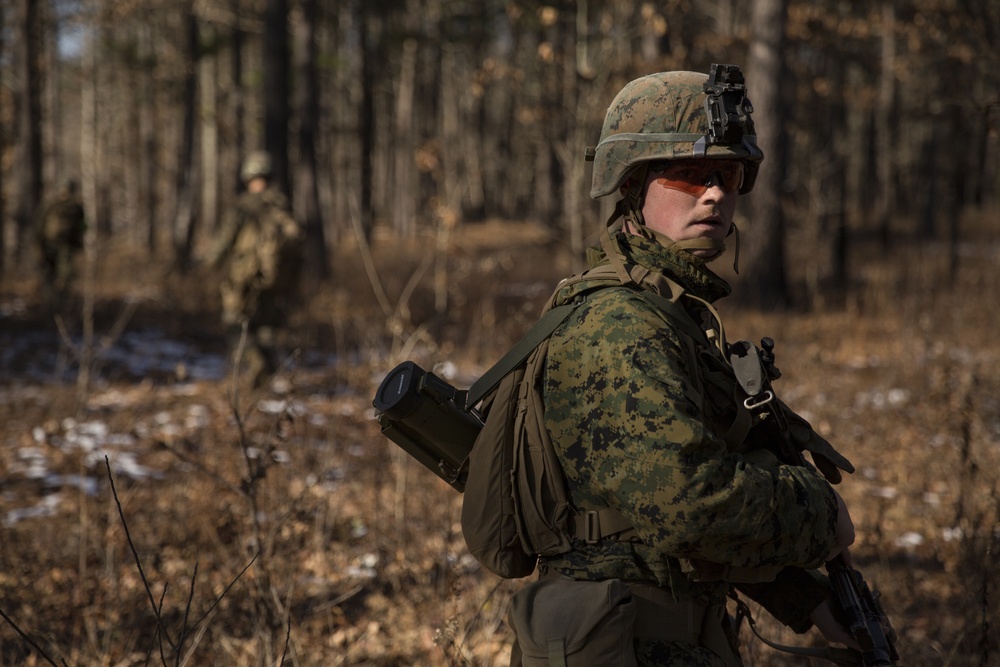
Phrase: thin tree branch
(135, 554)
(28, 639)
(366, 256)
(187, 615)
(231, 584)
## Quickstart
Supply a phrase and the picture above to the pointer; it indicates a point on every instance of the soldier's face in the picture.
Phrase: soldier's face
(682, 216)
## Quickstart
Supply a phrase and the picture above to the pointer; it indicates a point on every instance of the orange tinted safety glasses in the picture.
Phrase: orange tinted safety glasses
(695, 177)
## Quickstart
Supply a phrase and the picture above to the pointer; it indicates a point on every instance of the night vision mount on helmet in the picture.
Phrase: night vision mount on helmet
(676, 115)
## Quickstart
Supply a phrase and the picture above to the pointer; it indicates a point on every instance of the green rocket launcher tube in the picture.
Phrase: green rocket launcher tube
(426, 416)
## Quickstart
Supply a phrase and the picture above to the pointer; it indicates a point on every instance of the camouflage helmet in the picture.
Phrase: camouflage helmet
(676, 115)
(258, 163)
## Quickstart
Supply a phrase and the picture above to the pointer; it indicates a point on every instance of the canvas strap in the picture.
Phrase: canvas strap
(542, 329)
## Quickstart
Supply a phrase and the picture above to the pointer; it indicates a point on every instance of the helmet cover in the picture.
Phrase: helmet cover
(676, 115)
(257, 163)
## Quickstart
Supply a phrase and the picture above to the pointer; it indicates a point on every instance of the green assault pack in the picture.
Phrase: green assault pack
(490, 442)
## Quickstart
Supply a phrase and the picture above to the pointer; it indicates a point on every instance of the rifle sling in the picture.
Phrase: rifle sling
(839, 656)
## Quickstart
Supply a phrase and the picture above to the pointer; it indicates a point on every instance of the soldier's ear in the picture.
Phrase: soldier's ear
(631, 181)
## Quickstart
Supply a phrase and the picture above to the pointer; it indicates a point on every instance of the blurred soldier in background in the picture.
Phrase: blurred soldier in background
(260, 247)
(59, 229)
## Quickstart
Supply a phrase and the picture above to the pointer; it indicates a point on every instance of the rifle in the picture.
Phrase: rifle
(857, 607)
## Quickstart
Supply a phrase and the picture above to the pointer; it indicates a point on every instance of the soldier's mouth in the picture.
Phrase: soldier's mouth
(710, 222)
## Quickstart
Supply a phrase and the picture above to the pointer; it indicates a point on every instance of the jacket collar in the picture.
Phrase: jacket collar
(687, 270)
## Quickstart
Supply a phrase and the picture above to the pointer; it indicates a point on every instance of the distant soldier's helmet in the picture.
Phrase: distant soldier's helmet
(256, 164)
(676, 115)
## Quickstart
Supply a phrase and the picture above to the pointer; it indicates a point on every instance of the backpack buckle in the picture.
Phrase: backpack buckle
(592, 527)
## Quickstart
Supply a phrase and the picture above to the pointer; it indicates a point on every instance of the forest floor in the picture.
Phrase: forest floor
(165, 513)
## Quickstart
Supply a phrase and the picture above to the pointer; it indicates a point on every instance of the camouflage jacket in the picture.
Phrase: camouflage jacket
(634, 430)
(60, 222)
(254, 237)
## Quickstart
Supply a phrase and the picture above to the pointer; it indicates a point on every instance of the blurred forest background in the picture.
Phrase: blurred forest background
(877, 118)
(434, 150)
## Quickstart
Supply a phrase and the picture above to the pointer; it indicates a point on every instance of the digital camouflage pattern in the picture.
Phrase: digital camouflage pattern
(675, 654)
(260, 245)
(638, 418)
(660, 117)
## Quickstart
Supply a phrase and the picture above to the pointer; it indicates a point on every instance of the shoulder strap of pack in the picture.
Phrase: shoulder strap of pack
(542, 329)
(551, 320)
(601, 276)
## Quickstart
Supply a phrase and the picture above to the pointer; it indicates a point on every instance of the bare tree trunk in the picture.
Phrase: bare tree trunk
(980, 174)
(184, 220)
(105, 131)
(342, 97)
(884, 131)
(208, 75)
(494, 136)
(132, 149)
(307, 177)
(450, 129)
(50, 156)
(88, 189)
(148, 138)
(568, 153)
(276, 89)
(3, 150)
(763, 253)
(856, 149)
(238, 109)
(449, 210)
(403, 209)
(837, 229)
(366, 117)
(29, 134)
(528, 171)
(930, 196)
(958, 123)
(536, 182)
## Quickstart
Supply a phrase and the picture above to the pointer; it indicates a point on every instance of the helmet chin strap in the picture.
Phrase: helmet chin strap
(633, 199)
(714, 247)
(735, 231)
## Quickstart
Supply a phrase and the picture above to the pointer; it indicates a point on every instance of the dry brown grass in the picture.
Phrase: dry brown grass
(359, 555)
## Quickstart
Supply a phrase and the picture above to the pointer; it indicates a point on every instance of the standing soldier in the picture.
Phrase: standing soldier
(647, 421)
(59, 229)
(260, 245)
